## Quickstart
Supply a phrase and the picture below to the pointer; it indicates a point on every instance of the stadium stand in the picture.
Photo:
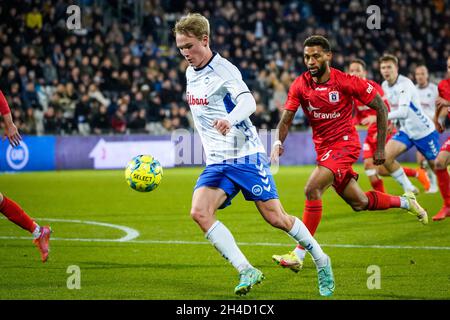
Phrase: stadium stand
(121, 72)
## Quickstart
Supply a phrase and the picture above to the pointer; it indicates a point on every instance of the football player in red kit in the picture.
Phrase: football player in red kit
(363, 115)
(8, 207)
(326, 97)
(443, 158)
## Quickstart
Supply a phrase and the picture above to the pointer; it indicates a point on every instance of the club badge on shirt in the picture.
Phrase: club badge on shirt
(333, 96)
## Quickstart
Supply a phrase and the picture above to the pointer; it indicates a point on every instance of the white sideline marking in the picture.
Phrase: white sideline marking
(269, 244)
(130, 234)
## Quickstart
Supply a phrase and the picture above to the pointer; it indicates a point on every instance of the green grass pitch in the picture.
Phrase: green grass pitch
(170, 259)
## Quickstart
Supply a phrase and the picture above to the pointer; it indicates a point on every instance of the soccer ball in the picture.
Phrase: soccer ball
(143, 173)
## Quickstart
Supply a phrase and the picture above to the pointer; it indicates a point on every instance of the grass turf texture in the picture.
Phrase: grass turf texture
(147, 269)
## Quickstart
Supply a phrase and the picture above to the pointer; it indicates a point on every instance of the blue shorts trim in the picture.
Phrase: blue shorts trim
(429, 146)
(251, 175)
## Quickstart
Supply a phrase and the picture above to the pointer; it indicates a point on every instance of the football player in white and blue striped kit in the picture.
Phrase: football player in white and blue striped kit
(221, 104)
(415, 127)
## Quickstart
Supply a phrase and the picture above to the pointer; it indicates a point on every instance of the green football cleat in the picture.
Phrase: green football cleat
(288, 260)
(247, 279)
(326, 279)
(415, 209)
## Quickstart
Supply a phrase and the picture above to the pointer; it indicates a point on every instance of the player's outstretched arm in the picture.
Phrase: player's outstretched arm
(11, 131)
(439, 116)
(382, 119)
(283, 130)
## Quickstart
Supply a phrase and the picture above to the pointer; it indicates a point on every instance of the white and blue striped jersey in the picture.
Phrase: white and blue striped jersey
(211, 93)
(428, 96)
(406, 108)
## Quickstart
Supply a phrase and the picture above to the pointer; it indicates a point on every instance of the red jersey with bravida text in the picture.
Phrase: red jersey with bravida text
(329, 105)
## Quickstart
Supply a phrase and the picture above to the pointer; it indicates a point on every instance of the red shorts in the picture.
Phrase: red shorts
(446, 146)
(370, 144)
(339, 158)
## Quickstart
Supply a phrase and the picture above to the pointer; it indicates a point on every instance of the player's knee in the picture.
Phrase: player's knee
(199, 214)
(440, 164)
(312, 192)
(388, 162)
(1, 197)
(277, 218)
(280, 221)
(360, 204)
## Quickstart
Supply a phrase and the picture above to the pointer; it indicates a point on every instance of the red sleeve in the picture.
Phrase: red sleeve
(381, 93)
(293, 99)
(360, 89)
(444, 89)
(356, 113)
(4, 108)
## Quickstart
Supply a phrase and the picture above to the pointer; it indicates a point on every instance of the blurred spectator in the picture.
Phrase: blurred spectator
(119, 121)
(52, 121)
(81, 115)
(138, 121)
(100, 123)
(29, 124)
(30, 97)
(260, 118)
(49, 71)
(34, 19)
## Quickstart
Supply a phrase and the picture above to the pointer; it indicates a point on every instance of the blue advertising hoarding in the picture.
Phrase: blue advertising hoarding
(33, 154)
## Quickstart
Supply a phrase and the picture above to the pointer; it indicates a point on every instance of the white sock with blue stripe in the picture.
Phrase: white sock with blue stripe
(222, 239)
(302, 235)
(400, 176)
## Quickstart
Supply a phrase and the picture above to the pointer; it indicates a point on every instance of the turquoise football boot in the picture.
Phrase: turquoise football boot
(326, 279)
(247, 279)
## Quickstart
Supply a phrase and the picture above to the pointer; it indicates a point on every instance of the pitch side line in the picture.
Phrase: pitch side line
(130, 234)
(268, 244)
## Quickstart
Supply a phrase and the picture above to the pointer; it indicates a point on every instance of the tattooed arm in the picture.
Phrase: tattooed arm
(382, 120)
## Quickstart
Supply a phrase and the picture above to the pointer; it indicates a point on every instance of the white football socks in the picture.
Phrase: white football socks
(404, 203)
(300, 253)
(400, 176)
(222, 239)
(302, 235)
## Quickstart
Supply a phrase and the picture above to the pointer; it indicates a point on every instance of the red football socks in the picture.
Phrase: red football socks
(382, 201)
(312, 215)
(444, 185)
(377, 185)
(16, 214)
(410, 172)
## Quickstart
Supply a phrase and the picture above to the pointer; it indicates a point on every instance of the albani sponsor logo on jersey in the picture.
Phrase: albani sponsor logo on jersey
(194, 101)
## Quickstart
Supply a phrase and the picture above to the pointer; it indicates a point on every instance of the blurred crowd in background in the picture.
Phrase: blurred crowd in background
(121, 72)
